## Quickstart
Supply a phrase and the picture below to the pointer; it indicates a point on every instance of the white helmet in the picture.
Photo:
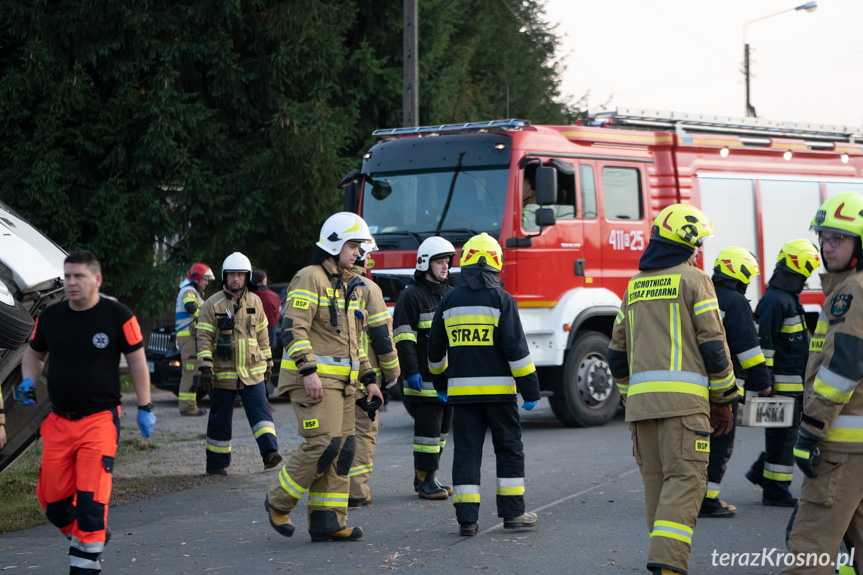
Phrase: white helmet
(340, 228)
(366, 248)
(237, 262)
(431, 248)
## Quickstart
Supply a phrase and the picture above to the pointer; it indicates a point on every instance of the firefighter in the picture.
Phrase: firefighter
(732, 273)
(189, 301)
(784, 340)
(234, 357)
(668, 353)
(377, 344)
(829, 446)
(413, 317)
(479, 357)
(322, 365)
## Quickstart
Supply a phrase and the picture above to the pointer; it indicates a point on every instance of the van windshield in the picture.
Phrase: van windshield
(411, 206)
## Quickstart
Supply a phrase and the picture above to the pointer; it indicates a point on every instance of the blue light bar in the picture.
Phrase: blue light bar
(453, 128)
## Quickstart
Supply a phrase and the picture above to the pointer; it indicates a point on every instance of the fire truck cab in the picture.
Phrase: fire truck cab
(572, 207)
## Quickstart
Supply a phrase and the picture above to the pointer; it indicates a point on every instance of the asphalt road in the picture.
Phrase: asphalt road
(583, 484)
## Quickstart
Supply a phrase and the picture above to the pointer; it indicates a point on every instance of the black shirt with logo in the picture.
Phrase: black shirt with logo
(84, 350)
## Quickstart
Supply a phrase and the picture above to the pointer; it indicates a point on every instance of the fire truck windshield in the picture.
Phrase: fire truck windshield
(409, 207)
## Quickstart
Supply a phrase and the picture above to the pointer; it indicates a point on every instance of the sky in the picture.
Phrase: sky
(687, 56)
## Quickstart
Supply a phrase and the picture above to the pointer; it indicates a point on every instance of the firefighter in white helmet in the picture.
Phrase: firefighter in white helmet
(189, 302)
(320, 371)
(234, 357)
(377, 344)
(412, 319)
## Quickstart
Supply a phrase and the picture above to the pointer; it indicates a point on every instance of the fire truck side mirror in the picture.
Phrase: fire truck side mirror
(545, 217)
(546, 185)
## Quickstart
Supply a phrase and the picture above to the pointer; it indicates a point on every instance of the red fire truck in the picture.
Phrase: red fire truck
(572, 207)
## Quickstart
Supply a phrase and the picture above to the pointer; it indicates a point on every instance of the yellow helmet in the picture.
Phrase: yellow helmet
(842, 213)
(482, 250)
(799, 256)
(682, 224)
(738, 263)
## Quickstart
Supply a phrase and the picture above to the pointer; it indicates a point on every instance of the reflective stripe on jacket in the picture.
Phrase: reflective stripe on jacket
(783, 337)
(252, 353)
(312, 343)
(377, 334)
(833, 400)
(478, 343)
(668, 352)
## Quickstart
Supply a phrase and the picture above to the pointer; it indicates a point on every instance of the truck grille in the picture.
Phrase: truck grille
(162, 341)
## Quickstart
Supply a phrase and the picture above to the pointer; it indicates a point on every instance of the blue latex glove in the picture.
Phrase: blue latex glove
(415, 382)
(146, 422)
(442, 396)
(805, 452)
(528, 405)
(26, 389)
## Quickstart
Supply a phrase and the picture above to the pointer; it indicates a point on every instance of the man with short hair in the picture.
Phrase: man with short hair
(81, 339)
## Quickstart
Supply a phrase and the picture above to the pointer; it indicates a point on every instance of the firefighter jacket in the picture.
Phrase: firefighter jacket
(189, 302)
(248, 336)
(740, 334)
(782, 331)
(477, 341)
(413, 319)
(377, 335)
(833, 401)
(322, 329)
(668, 353)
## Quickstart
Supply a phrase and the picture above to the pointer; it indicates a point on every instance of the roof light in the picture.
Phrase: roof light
(787, 155)
(724, 152)
(844, 158)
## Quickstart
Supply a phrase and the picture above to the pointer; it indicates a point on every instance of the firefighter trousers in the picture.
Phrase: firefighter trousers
(257, 408)
(830, 508)
(432, 424)
(321, 464)
(75, 481)
(470, 423)
(721, 448)
(776, 463)
(188, 394)
(672, 455)
(364, 458)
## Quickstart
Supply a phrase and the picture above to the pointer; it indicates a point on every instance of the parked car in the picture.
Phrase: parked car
(31, 278)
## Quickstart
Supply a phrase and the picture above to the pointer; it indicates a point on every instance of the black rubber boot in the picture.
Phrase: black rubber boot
(346, 534)
(428, 487)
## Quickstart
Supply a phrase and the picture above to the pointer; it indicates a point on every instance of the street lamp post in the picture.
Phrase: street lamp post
(808, 7)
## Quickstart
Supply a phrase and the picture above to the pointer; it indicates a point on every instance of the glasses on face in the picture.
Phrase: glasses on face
(834, 241)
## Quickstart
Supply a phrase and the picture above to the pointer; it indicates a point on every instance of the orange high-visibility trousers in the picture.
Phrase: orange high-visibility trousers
(75, 481)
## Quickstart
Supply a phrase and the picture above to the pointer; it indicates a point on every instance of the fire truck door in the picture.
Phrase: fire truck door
(624, 221)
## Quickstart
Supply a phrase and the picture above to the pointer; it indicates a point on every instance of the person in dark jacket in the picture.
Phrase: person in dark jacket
(412, 318)
(479, 358)
(733, 271)
(785, 342)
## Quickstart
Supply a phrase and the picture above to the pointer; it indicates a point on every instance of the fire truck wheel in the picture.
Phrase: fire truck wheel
(586, 394)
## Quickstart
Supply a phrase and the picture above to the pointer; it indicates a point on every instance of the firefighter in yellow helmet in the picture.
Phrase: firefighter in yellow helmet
(785, 341)
(672, 366)
(321, 369)
(479, 360)
(829, 446)
(376, 343)
(189, 302)
(733, 271)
